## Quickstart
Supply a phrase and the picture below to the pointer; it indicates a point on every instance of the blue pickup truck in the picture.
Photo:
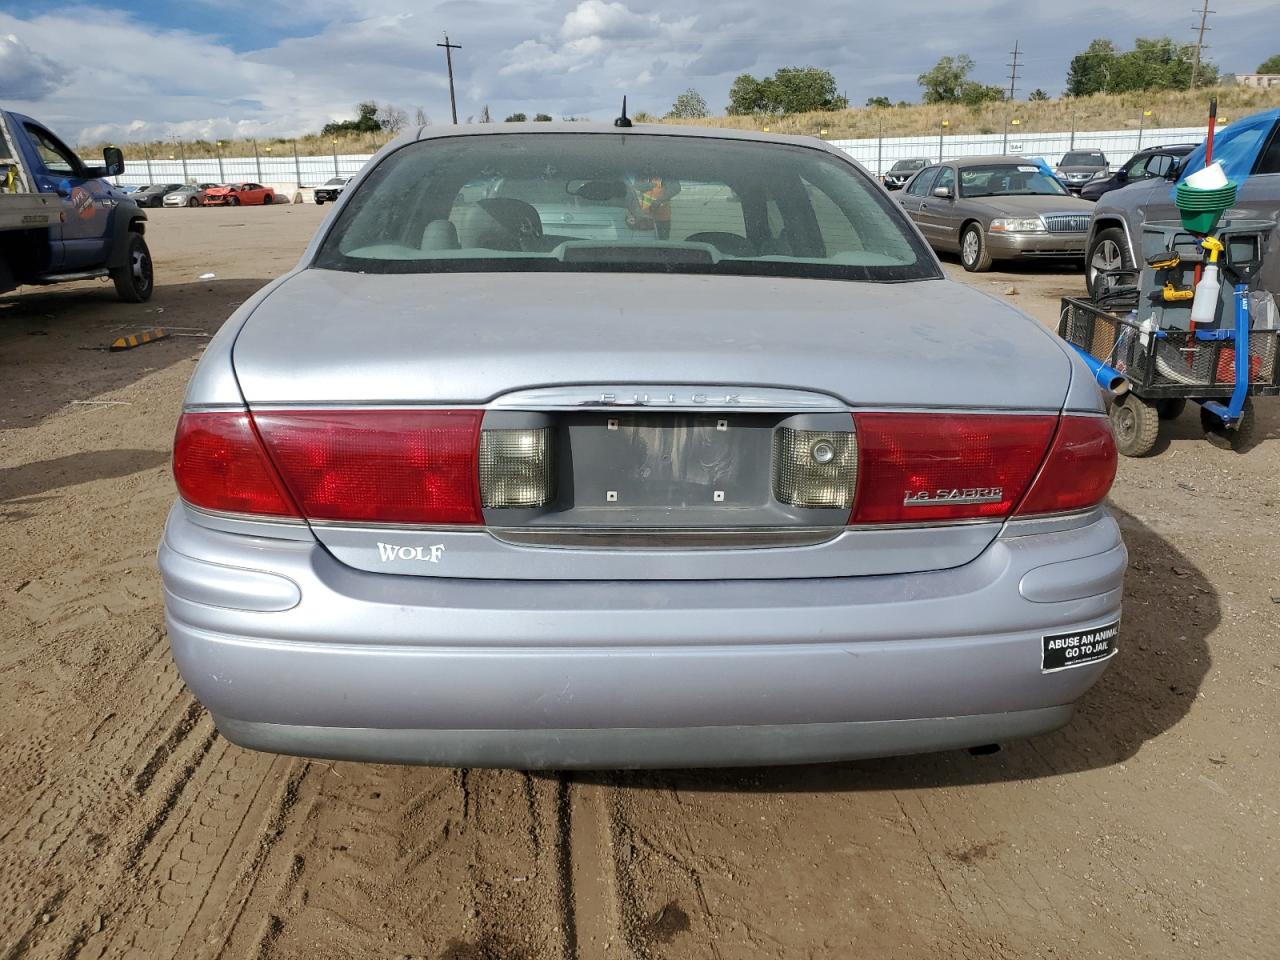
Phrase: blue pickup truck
(61, 220)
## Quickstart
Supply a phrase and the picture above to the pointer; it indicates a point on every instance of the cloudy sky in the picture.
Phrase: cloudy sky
(222, 68)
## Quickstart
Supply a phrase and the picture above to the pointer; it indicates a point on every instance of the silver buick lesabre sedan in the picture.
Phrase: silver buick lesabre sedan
(736, 478)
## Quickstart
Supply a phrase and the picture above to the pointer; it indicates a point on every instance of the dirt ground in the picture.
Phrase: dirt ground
(1147, 828)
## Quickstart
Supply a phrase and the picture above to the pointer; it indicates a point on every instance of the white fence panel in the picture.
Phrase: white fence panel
(876, 154)
(304, 171)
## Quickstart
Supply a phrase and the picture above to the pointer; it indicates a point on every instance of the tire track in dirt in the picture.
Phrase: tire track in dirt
(422, 862)
(65, 822)
(655, 887)
(592, 881)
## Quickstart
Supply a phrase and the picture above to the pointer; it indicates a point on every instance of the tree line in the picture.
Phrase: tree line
(1153, 64)
(374, 117)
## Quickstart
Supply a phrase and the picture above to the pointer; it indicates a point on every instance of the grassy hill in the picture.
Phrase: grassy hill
(1102, 112)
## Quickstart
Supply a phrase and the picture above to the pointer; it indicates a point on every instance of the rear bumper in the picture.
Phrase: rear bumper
(644, 747)
(1011, 245)
(293, 652)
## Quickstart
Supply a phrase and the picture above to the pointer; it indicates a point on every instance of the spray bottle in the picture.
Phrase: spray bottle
(1204, 308)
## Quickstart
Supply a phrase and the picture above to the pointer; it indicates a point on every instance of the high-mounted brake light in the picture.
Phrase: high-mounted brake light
(930, 467)
(219, 465)
(1078, 471)
(378, 466)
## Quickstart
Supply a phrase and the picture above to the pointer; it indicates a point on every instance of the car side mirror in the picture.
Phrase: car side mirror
(942, 192)
(113, 161)
(63, 189)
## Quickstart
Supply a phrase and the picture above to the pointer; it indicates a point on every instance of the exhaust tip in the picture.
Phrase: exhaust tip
(984, 750)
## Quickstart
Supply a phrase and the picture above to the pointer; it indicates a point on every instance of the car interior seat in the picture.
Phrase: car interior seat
(440, 235)
(501, 223)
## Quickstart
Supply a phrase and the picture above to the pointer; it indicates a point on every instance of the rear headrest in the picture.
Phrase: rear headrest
(499, 223)
(440, 235)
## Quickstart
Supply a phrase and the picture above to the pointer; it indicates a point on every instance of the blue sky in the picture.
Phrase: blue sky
(223, 68)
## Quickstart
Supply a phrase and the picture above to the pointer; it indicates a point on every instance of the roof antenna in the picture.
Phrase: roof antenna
(624, 120)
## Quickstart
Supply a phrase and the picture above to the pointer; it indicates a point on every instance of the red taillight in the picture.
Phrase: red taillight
(926, 467)
(381, 466)
(1078, 471)
(219, 464)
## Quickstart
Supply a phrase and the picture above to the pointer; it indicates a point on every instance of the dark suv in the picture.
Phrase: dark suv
(902, 171)
(1078, 167)
(1151, 162)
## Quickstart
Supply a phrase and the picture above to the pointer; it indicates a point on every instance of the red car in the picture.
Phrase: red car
(235, 194)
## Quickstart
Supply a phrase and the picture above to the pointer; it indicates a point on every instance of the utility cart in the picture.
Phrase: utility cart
(1155, 359)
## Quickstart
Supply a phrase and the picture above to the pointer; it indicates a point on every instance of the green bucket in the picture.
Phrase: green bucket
(1202, 222)
(1202, 210)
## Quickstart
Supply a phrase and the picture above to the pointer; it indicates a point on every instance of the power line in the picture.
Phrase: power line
(1200, 44)
(448, 56)
(1013, 69)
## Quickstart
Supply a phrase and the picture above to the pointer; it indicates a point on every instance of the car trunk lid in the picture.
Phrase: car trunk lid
(665, 399)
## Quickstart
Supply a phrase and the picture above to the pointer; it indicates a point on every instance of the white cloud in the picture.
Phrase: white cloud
(594, 18)
(607, 38)
(24, 73)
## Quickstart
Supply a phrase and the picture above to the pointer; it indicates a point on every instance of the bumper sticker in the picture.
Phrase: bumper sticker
(1061, 651)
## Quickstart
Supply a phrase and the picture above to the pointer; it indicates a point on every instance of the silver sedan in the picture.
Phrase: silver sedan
(996, 208)
(743, 481)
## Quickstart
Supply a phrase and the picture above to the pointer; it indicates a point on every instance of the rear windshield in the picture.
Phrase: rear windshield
(622, 203)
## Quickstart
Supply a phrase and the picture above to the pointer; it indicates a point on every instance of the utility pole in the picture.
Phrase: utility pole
(1200, 44)
(1013, 85)
(448, 56)
(1013, 69)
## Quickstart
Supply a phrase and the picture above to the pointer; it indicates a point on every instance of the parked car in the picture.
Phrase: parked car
(61, 220)
(189, 195)
(153, 196)
(759, 486)
(238, 194)
(1078, 167)
(331, 190)
(1250, 145)
(1143, 165)
(996, 208)
(897, 176)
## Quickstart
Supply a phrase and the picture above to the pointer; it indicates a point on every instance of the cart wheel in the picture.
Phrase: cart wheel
(1171, 408)
(1240, 439)
(1136, 423)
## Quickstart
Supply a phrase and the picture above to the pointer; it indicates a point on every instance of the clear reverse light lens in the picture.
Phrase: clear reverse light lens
(517, 468)
(814, 468)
